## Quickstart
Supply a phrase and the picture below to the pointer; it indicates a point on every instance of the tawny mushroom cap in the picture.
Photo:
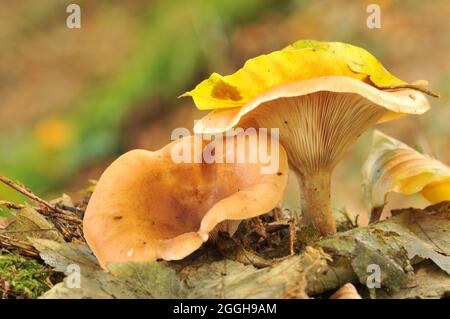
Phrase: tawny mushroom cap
(319, 117)
(147, 207)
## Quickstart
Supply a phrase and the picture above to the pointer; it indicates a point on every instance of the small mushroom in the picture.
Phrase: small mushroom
(393, 166)
(146, 206)
(322, 97)
(347, 291)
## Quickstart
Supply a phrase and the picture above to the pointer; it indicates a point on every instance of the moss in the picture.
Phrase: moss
(21, 277)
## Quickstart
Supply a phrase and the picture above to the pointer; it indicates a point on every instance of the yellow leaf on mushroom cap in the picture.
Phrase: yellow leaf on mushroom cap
(357, 59)
(393, 166)
(302, 60)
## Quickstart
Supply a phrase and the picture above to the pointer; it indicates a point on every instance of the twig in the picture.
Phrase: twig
(57, 212)
(251, 257)
(11, 205)
(259, 227)
(277, 225)
(277, 213)
(292, 237)
(64, 216)
(23, 190)
(22, 247)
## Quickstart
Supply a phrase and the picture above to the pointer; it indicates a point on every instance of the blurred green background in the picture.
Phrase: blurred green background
(71, 100)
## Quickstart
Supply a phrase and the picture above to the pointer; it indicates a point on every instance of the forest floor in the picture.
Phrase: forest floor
(271, 256)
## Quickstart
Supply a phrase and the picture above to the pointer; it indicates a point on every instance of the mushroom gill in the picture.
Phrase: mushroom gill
(326, 124)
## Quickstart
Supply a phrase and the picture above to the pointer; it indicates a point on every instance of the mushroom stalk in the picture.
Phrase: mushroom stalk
(316, 130)
(316, 201)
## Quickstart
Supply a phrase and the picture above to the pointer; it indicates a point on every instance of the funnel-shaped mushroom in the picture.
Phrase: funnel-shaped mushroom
(321, 96)
(149, 205)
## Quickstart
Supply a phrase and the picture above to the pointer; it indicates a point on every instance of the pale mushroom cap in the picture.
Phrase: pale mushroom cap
(393, 166)
(395, 103)
(146, 206)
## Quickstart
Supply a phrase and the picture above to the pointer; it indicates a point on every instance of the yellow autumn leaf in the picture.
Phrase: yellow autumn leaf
(357, 59)
(303, 60)
(393, 166)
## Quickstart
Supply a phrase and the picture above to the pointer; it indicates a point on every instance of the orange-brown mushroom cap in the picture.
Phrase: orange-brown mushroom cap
(147, 207)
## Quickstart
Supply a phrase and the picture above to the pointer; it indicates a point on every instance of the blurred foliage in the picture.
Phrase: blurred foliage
(166, 54)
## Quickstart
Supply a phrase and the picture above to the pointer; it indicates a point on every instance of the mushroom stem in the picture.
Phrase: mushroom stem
(316, 201)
